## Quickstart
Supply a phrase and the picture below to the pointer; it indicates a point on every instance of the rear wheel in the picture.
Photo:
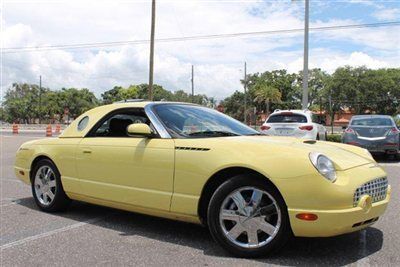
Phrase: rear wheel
(248, 218)
(47, 189)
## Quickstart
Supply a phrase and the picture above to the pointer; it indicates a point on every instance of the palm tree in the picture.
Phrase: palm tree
(266, 93)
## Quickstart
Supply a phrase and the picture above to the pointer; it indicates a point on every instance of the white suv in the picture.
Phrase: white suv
(296, 123)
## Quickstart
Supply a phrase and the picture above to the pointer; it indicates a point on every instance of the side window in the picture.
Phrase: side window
(83, 123)
(116, 124)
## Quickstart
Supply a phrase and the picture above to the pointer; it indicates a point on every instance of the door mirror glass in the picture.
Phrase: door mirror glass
(141, 129)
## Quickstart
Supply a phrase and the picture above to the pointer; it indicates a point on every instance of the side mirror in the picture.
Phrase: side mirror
(141, 129)
(344, 127)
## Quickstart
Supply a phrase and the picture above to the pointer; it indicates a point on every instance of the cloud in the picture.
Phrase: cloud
(387, 14)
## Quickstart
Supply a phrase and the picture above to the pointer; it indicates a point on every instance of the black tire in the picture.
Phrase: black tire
(60, 200)
(217, 232)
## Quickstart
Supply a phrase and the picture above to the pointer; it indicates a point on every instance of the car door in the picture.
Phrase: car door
(115, 167)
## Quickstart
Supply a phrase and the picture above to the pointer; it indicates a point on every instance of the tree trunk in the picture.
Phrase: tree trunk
(267, 105)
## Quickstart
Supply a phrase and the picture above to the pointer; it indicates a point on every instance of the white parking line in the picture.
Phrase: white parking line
(24, 136)
(11, 180)
(390, 164)
(49, 233)
(13, 202)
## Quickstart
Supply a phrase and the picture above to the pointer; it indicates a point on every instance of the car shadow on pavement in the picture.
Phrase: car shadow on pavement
(340, 250)
(381, 158)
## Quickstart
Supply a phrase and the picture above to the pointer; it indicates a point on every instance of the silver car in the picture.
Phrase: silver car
(376, 133)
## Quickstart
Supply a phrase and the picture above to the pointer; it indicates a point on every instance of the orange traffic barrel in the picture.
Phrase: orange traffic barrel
(15, 128)
(58, 128)
(49, 130)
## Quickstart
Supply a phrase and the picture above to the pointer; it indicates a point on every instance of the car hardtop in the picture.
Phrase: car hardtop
(97, 113)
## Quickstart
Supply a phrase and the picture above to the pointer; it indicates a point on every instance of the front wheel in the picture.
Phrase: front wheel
(47, 189)
(248, 217)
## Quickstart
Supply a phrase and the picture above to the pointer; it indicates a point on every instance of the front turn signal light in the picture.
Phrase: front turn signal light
(307, 216)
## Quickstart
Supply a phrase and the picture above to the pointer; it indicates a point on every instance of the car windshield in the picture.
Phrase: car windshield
(287, 118)
(187, 121)
(371, 122)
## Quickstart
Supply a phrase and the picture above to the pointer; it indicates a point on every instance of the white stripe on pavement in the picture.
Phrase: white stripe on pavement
(10, 180)
(46, 234)
(13, 202)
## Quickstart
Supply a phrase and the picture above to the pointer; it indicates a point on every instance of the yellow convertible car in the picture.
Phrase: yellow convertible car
(191, 163)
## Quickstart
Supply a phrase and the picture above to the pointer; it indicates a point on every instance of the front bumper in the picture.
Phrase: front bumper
(337, 222)
(333, 203)
(22, 174)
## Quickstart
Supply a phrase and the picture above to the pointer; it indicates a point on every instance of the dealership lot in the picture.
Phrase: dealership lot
(93, 235)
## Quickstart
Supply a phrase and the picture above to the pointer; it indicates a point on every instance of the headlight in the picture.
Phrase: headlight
(324, 165)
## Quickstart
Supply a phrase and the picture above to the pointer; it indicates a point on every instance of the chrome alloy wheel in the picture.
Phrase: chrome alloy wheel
(45, 185)
(250, 217)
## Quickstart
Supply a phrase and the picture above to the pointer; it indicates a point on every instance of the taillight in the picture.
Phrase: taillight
(265, 128)
(349, 130)
(306, 127)
(393, 131)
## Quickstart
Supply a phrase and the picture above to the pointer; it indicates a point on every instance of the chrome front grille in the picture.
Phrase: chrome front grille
(376, 188)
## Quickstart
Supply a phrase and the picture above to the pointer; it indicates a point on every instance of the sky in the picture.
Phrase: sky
(218, 63)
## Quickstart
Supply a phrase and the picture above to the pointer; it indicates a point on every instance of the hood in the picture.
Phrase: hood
(344, 156)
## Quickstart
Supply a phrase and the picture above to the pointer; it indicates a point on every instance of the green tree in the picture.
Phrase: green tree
(317, 81)
(234, 106)
(119, 93)
(265, 93)
(21, 102)
(77, 101)
(279, 79)
(3, 114)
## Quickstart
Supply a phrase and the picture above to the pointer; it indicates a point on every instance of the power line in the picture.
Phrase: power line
(7, 50)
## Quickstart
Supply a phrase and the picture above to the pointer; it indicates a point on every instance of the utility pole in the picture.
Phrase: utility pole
(305, 60)
(151, 69)
(40, 97)
(192, 80)
(331, 112)
(245, 92)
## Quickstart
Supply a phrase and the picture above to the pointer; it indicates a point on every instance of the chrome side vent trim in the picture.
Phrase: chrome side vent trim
(191, 148)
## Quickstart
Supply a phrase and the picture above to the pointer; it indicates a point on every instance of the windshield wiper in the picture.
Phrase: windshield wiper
(212, 133)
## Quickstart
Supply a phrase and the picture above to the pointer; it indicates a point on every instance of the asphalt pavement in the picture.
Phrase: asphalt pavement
(93, 235)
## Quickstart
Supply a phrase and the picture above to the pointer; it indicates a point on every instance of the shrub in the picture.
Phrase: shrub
(334, 138)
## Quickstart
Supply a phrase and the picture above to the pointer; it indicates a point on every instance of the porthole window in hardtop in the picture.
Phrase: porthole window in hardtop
(83, 123)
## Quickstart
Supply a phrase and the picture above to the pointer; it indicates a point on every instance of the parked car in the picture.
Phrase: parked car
(377, 133)
(297, 123)
(191, 163)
